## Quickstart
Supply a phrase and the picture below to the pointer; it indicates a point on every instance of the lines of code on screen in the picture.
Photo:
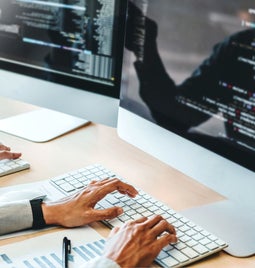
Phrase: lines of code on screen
(71, 37)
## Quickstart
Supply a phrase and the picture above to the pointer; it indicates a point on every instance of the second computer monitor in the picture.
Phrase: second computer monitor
(73, 43)
(188, 98)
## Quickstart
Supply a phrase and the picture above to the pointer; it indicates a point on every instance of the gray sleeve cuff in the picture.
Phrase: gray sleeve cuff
(15, 216)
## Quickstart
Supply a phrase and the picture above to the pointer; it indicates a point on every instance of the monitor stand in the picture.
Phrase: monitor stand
(231, 221)
(40, 125)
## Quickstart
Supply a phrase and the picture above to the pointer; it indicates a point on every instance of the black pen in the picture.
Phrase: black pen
(66, 249)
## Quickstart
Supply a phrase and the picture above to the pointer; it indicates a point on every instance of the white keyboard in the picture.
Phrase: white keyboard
(194, 243)
(8, 166)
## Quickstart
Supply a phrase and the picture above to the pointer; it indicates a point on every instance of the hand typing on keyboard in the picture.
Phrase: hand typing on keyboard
(5, 153)
(10, 162)
(194, 242)
(95, 193)
(79, 208)
(137, 243)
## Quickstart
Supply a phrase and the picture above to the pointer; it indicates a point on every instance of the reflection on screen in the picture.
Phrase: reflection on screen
(193, 68)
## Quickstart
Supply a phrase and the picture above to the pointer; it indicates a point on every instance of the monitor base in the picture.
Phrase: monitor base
(40, 125)
(231, 222)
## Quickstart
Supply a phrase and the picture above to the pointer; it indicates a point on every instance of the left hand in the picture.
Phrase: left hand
(78, 210)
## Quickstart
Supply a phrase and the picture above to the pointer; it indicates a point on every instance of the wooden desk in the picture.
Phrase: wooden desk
(101, 144)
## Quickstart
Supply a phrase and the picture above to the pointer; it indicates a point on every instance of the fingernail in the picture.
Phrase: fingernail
(120, 211)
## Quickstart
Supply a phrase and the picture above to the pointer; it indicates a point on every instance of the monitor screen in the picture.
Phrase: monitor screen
(192, 67)
(188, 98)
(75, 43)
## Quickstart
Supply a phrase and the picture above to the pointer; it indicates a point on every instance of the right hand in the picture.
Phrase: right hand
(137, 243)
(5, 153)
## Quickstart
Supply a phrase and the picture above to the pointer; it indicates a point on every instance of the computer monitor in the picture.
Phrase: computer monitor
(188, 98)
(71, 44)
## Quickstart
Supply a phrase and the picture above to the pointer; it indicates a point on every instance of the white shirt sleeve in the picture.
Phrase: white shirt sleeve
(15, 216)
(100, 262)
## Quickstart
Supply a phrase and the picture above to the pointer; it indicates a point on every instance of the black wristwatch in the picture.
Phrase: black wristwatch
(38, 220)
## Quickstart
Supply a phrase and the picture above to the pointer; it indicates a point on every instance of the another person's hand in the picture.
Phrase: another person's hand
(137, 243)
(5, 153)
(78, 210)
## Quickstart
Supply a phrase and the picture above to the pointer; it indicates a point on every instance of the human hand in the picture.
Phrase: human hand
(78, 210)
(137, 243)
(5, 153)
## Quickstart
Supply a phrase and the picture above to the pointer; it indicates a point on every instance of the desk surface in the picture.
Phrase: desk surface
(100, 144)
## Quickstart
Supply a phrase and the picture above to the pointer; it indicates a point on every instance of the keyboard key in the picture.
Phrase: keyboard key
(170, 262)
(115, 222)
(200, 249)
(190, 252)
(67, 187)
(178, 255)
(212, 246)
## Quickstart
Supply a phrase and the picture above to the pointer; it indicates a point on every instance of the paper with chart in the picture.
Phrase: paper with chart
(45, 251)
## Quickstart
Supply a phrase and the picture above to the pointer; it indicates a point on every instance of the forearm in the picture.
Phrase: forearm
(57, 213)
(15, 216)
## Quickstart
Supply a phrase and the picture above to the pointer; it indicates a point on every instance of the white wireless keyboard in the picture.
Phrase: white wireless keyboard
(8, 166)
(194, 243)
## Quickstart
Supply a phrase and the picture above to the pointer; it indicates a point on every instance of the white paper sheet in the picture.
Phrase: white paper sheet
(45, 251)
